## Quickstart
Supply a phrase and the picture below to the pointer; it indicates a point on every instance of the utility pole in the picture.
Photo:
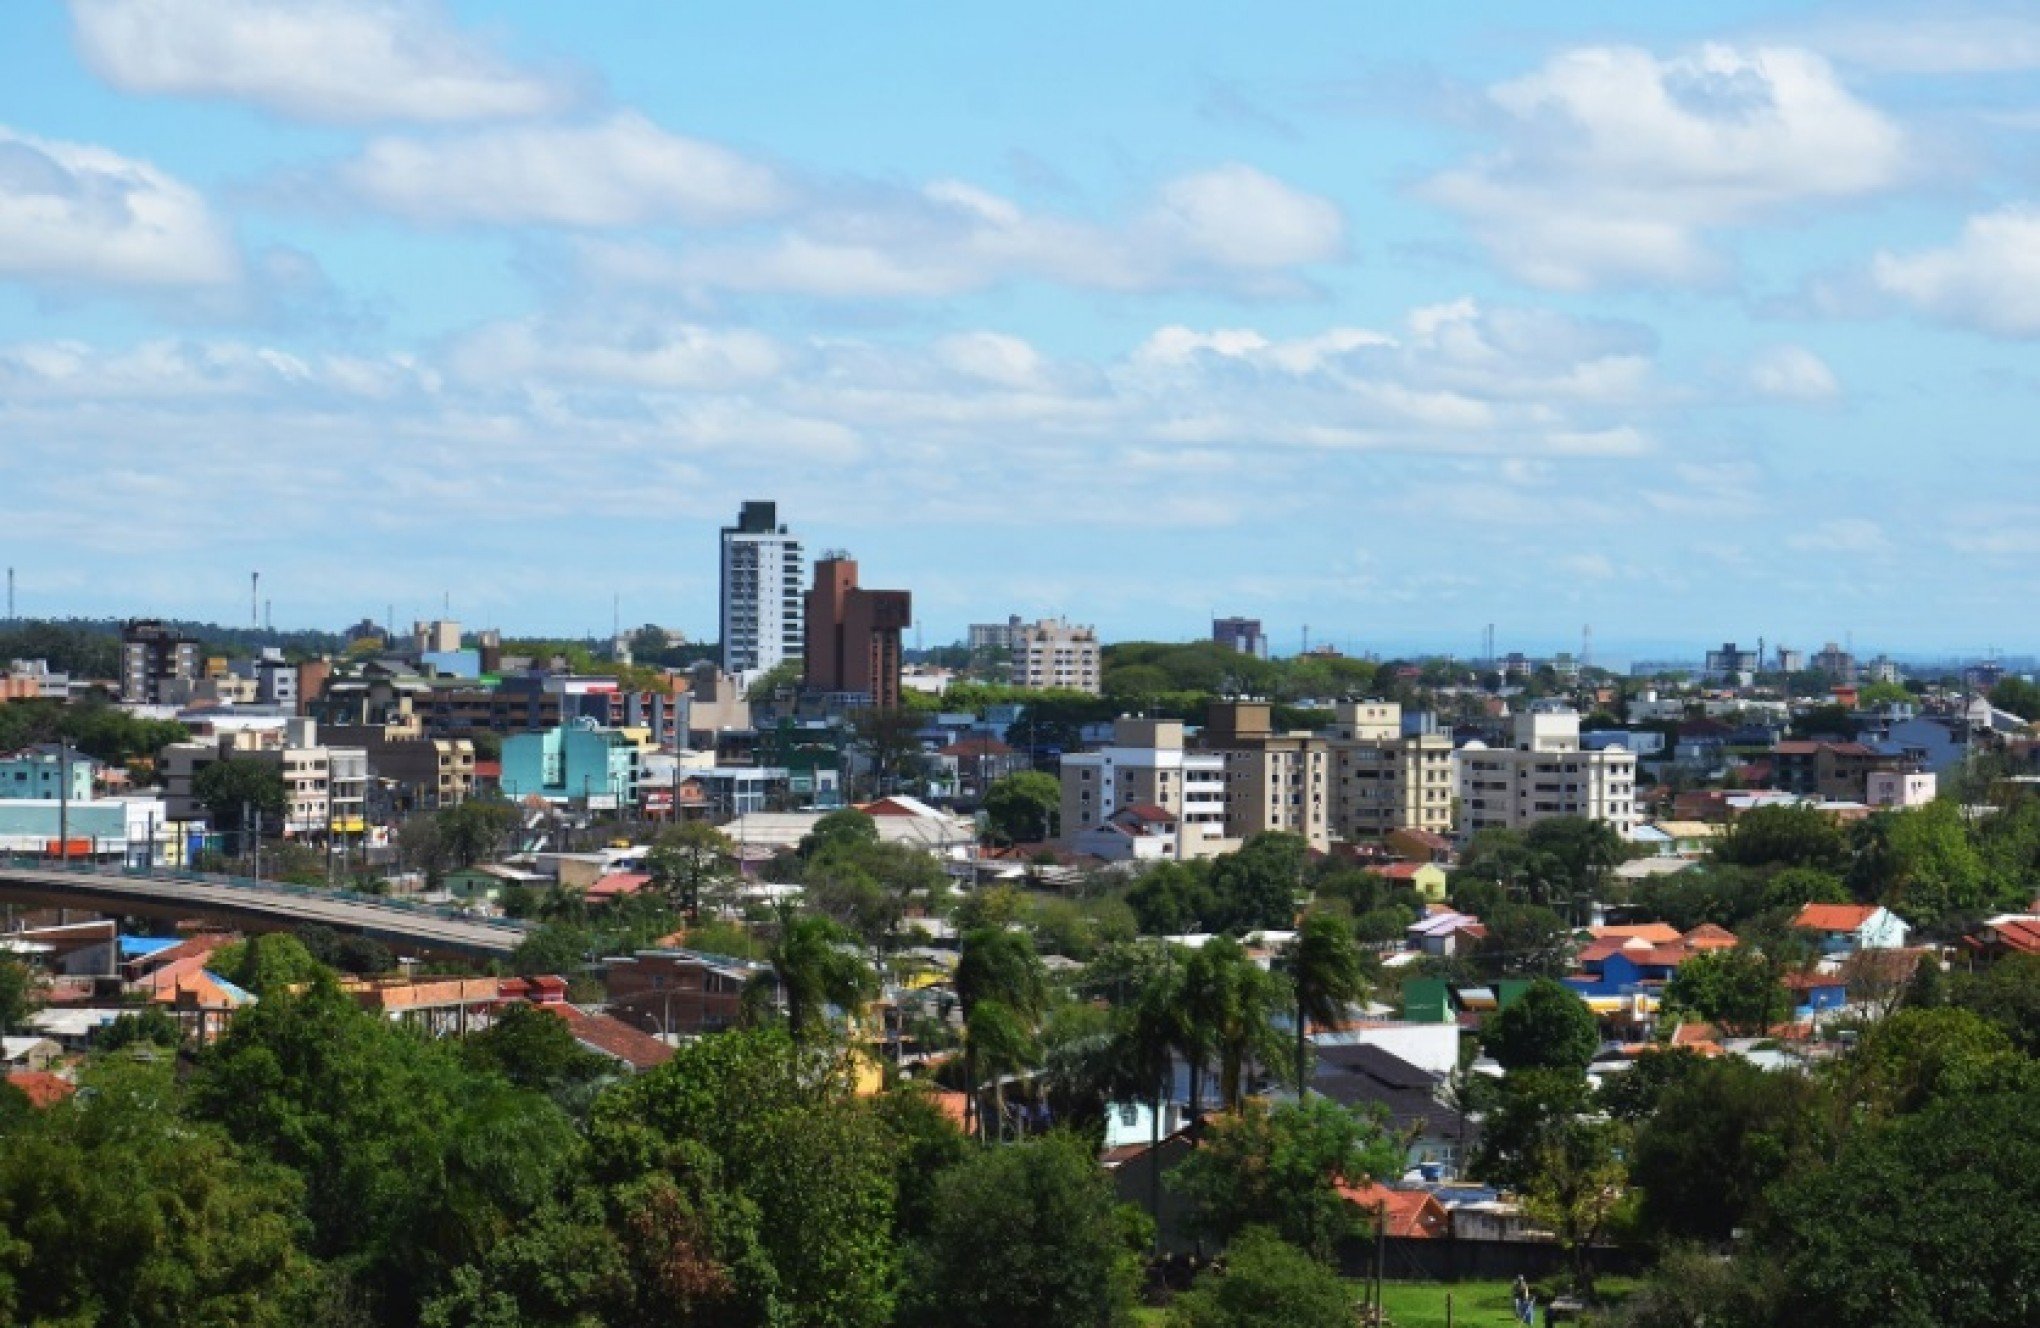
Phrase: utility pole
(255, 599)
(63, 799)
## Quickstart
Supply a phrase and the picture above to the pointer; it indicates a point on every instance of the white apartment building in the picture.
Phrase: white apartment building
(1147, 764)
(764, 577)
(325, 789)
(1384, 778)
(1052, 653)
(1545, 774)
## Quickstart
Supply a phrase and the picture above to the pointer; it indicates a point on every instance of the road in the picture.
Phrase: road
(259, 906)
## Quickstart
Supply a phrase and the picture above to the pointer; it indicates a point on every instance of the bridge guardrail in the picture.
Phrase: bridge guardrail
(186, 876)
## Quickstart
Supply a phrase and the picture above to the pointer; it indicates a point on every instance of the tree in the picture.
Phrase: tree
(1026, 1236)
(1023, 807)
(1916, 1057)
(2017, 695)
(1257, 886)
(475, 830)
(2008, 995)
(20, 994)
(1282, 1168)
(783, 676)
(110, 1214)
(1525, 940)
(814, 967)
(237, 790)
(890, 740)
(1266, 1283)
(273, 964)
(1922, 863)
(1720, 1135)
(1003, 989)
(556, 947)
(1171, 898)
(1576, 1186)
(1785, 835)
(685, 860)
(1326, 976)
(1230, 1001)
(849, 827)
(1933, 1222)
(1535, 1106)
(1738, 989)
(1548, 1027)
(534, 1049)
(151, 1026)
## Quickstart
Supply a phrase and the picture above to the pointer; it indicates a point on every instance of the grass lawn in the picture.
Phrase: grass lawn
(1422, 1304)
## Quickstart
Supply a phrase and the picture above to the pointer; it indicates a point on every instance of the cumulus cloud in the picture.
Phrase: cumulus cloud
(329, 61)
(672, 357)
(1938, 41)
(618, 171)
(1793, 373)
(1231, 228)
(76, 215)
(1988, 279)
(1617, 166)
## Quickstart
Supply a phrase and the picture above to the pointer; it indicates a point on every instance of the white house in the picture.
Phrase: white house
(1847, 928)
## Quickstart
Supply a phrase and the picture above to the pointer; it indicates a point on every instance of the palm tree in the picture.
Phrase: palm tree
(1326, 976)
(1151, 1030)
(1229, 1001)
(1004, 992)
(816, 966)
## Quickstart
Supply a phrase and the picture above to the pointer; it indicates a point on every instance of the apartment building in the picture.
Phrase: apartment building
(1832, 771)
(1241, 634)
(324, 787)
(1149, 764)
(1389, 771)
(1053, 654)
(853, 634)
(1545, 774)
(763, 571)
(48, 773)
(576, 762)
(1273, 781)
(151, 655)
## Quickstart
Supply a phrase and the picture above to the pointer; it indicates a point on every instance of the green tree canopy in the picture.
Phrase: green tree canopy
(1023, 807)
(1266, 1283)
(1024, 1236)
(238, 787)
(1282, 1167)
(1548, 1027)
(1740, 990)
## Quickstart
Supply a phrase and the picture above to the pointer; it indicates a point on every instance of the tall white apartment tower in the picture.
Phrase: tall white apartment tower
(763, 583)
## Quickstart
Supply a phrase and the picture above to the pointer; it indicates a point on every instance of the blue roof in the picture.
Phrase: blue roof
(133, 947)
(240, 994)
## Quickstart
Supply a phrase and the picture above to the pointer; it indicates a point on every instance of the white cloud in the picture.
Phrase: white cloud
(615, 172)
(72, 214)
(331, 61)
(1938, 41)
(1616, 166)
(1793, 373)
(1988, 279)
(1231, 228)
(682, 357)
(1853, 536)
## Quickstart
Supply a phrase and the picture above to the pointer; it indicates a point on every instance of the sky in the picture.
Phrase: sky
(1377, 322)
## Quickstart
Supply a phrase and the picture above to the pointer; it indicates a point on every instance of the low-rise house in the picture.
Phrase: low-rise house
(29, 1053)
(42, 1088)
(1404, 1214)
(1445, 932)
(1138, 832)
(2006, 934)
(1847, 928)
(1437, 1137)
(679, 992)
(1428, 879)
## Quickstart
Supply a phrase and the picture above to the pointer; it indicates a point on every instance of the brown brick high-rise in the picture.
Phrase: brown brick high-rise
(853, 635)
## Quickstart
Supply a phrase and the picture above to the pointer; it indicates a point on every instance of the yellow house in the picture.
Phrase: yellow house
(1426, 878)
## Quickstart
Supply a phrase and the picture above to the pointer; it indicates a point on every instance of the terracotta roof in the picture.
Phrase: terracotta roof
(2020, 934)
(1834, 917)
(1707, 936)
(614, 1038)
(615, 885)
(1147, 811)
(43, 1088)
(1402, 871)
(1657, 933)
(977, 747)
(1809, 981)
(1411, 1214)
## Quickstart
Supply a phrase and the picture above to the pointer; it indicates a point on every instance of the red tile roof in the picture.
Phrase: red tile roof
(43, 1088)
(1834, 917)
(1657, 933)
(1147, 811)
(1410, 1214)
(2019, 934)
(614, 1038)
(616, 885)
(1707, 936)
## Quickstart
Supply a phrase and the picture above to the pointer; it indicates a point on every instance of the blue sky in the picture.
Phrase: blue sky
(1393, 321)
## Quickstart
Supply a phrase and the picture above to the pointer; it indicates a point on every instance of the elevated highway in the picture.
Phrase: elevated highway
(251, 905)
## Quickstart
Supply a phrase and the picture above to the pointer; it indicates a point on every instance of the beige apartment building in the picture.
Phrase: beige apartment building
(1545, 774)
(1384, 778)
(324, 786)
(1148, 764)
(1053, 654)
(1273, 781)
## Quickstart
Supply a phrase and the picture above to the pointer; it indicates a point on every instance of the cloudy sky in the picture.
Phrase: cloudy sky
(1388, 321)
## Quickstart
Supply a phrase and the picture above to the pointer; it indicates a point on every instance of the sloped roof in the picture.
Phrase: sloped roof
(1707, 936)
(613, 1037)
(1657, 933)
(1411, 1214)
(1353, 1073)
(1834, 917)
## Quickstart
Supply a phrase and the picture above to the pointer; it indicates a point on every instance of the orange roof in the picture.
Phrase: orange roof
(1410, 1213)
(43, 1088)
(1707, 936)
(1402, 871)
(1657, 933)
(613, 1037)
(615, 885)
(1834, 917)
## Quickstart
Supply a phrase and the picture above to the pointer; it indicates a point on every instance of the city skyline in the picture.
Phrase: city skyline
(1394, 324)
